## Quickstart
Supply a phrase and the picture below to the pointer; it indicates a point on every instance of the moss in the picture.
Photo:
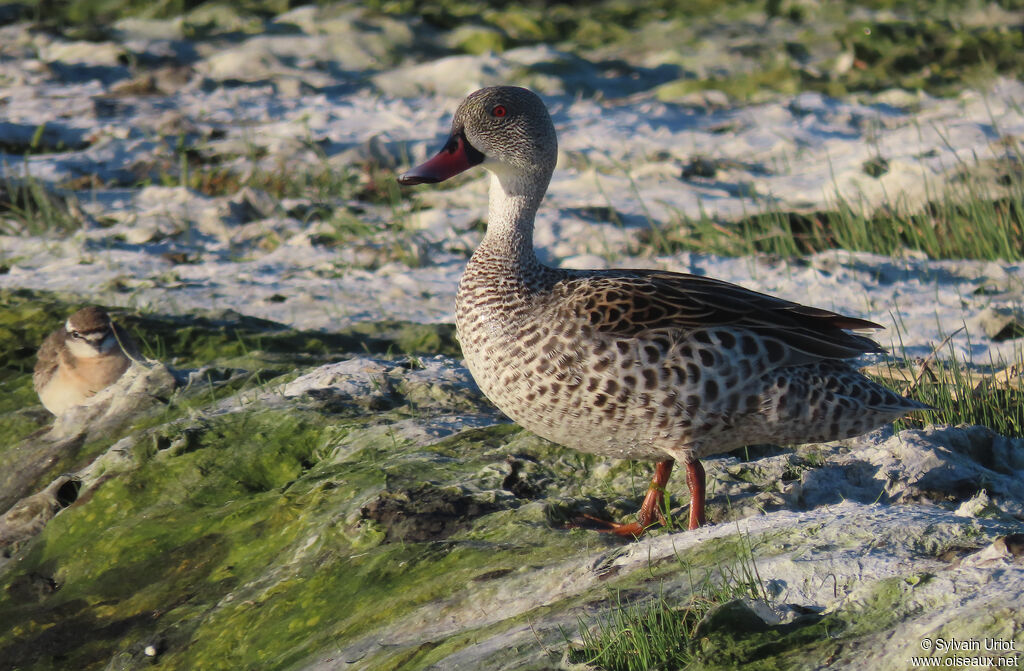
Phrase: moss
(927, 53)
(173, 526)
(478, 40)
(237, 340)
(743, 86)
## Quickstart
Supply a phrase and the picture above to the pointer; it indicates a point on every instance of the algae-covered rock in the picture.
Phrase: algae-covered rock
(378, 513)
(28, 516)
(137, 392)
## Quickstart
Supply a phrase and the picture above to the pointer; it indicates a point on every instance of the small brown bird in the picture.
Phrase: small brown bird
(85, 356)
(636, 364)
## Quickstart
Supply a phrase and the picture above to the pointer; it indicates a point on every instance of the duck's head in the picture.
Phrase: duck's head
(506, 129)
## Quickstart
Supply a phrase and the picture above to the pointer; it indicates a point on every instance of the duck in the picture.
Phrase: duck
(639, 364)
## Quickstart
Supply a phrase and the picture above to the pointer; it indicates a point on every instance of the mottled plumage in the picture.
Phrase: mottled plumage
(636, 364)
(81, 358)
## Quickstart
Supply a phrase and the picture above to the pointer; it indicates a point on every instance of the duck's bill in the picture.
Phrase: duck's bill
(457, 156)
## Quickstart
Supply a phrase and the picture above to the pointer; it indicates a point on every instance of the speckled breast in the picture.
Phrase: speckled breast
(554, 376)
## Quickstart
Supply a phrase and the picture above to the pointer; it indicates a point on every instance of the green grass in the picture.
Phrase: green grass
(28, 207)
(970, 220)
(961, 399)
(641, 636)
(962, 391)
(660, 634)
(85, 12)
(194, 166)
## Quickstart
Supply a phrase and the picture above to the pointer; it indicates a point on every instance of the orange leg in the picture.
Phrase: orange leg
(696, 482)
(649, 509)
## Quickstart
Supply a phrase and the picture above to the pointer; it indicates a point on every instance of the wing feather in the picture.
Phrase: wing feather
(47, 359)
(631, 302)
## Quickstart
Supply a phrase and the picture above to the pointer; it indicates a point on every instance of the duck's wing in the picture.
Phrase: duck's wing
(633, 302)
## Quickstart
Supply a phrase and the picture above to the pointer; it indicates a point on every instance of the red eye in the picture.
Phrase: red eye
(499, 111)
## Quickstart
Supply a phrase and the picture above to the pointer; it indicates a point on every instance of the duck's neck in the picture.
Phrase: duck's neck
(513, 200)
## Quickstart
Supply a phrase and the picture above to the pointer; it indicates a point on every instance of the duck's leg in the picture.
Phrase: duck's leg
(652, 505)
(649, 509)
(696, 482)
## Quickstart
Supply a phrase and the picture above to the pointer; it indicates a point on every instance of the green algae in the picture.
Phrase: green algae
(17, 416)
(232, 339)
(241, 540)
(806, 643)
(247, 511)
(810, 642)
(173, 526)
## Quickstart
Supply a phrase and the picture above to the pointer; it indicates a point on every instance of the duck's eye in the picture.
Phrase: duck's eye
(499, 111)
(76, 334)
